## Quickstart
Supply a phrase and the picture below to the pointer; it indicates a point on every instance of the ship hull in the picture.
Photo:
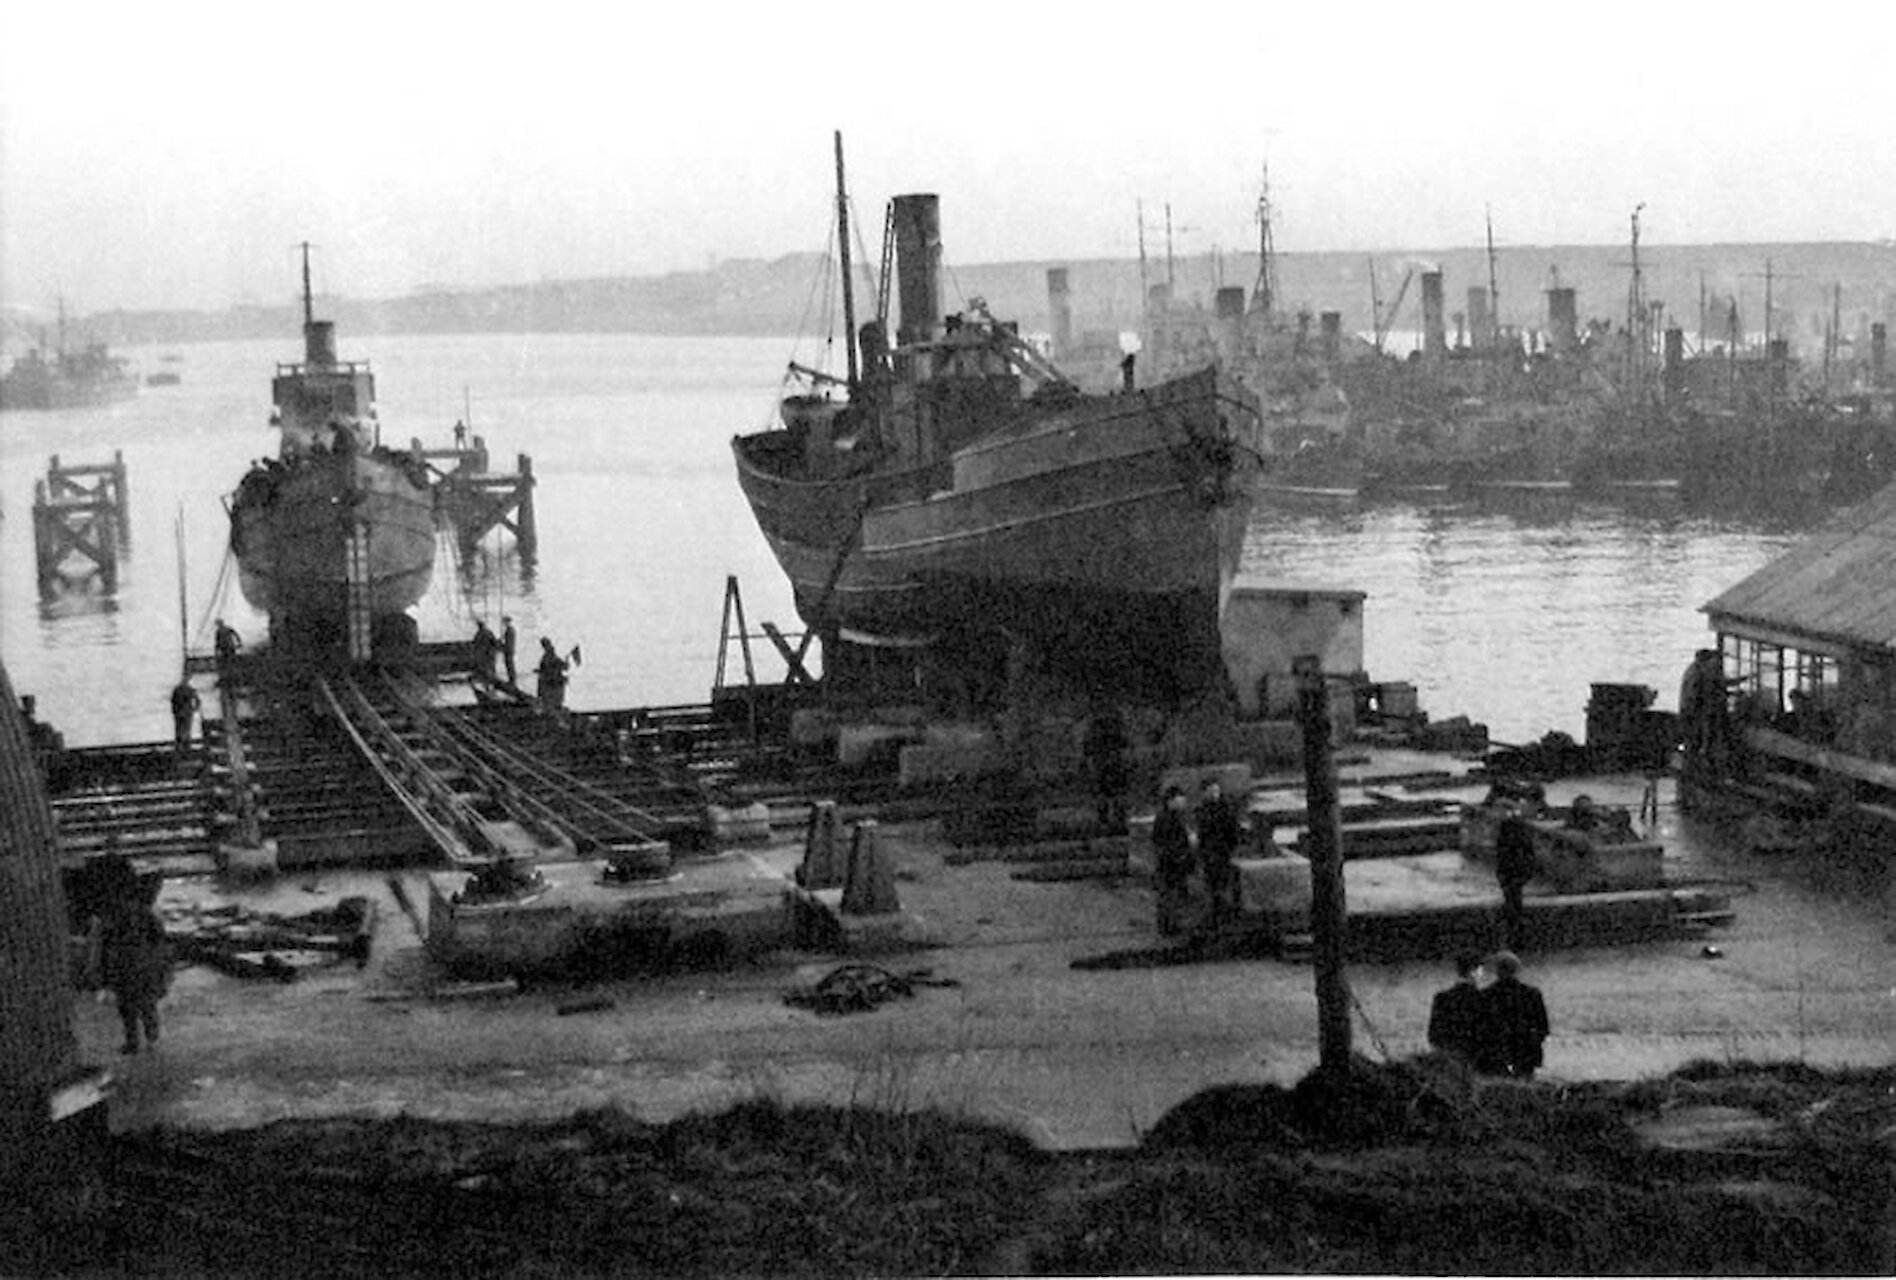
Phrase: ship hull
(1106, 532)
(291, 526)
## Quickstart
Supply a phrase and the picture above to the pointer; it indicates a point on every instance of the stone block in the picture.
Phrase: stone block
(740, 824)
(870, 886)
(823, 865)
(925, 764)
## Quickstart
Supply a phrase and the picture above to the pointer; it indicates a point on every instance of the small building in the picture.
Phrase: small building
(1268, 622)
(1808, 649)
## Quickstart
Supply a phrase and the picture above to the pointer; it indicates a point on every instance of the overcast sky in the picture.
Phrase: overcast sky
(170, 154)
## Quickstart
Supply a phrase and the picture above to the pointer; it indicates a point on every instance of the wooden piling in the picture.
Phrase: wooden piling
(478, 502)
(1329, 913)
(80, 512)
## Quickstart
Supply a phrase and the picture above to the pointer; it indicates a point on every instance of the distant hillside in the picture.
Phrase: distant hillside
(774, 297)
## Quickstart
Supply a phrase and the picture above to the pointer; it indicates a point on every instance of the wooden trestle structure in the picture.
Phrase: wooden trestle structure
(81, 525)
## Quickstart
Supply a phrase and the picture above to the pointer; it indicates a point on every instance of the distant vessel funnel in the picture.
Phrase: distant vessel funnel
(918, 265)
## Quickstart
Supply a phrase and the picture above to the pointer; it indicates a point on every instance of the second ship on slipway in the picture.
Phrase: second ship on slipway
(335, 537)
(961, 496)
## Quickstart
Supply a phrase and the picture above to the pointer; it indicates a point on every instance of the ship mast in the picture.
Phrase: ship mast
(1494, 290)
(1635, 316)
(842, 247)
(1264, 295)
(309, 304)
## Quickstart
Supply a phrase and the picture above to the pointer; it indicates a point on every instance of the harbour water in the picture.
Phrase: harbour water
(1505, 618)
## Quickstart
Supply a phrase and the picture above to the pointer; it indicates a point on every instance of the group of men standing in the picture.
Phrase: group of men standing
(1497, 1028)
(551, 673)
(1204, 838)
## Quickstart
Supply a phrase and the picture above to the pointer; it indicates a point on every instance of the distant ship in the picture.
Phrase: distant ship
(68, 379)
(335, 537)
(940, 503)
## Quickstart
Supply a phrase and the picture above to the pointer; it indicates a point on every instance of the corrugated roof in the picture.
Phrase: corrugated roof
(1839, 583)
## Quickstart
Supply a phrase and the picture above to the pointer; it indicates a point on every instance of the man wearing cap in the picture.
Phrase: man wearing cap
(508, 642)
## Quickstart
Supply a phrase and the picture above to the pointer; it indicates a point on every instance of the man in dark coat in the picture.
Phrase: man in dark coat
(1172, 854)
(1218, 838)
(132, 954)
(486, 647)
(552, 677)
(1514, 866)
(509, 645)
(1456, 1012)
(1513, 1023)
(185, 705)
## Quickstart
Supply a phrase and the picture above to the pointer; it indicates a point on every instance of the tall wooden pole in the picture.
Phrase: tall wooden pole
(1328, 912)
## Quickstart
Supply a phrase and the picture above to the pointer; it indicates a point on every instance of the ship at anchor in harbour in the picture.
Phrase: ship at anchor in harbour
(960, 497)
(334, 537)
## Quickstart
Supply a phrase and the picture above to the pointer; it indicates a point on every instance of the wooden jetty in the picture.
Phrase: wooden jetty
(81, 525)
(478, 500)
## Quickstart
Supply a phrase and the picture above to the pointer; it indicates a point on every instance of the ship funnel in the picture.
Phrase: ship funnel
(1434, 332)
(1480, 323)
(918, 265)
(1563, 320)
(1060, 306)
(319, 342)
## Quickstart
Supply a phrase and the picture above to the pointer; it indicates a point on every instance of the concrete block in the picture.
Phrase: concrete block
(253, 861)
(1141, 861)
(1234, 777)
(1277, 887)
(742, 824)
(870, 887)
(823, 865)
(812, 727)
(926, 764)
(858, 745)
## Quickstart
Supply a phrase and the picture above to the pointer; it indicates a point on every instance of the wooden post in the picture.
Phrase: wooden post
(121, 499)
(1329, 913)
(528, 534)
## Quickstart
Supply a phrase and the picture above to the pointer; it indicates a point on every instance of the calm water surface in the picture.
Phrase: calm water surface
(1505, 619)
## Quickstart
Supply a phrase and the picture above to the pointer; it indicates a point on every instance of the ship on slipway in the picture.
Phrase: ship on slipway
(334, 537)
(954, 494)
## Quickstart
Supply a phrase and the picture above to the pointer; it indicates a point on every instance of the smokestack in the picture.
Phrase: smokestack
(1331, 323)
(1434, 334)
(1879, 351)
(1777, 355)
(1480, 323)
(1228, 306)
(1563, 320)
(319, 342)
(918, 265)
(1060, 305)
(1673, 379)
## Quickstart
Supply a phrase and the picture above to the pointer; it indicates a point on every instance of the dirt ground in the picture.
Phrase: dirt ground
(1073, 1058)
(1029, 1113)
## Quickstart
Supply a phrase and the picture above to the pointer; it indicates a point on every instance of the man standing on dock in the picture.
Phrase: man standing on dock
(1514, 866)
(1514, 1023)
(185, 705)
(226, 643)
(486, 649)
(551, 689)
(1172, 859)
(1456, 1012)
(1218, 837)
(508, 643)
